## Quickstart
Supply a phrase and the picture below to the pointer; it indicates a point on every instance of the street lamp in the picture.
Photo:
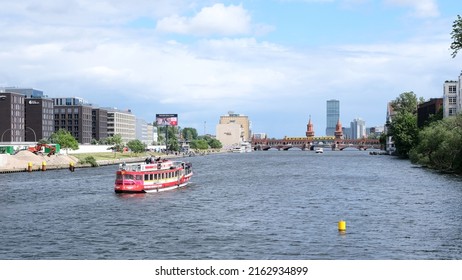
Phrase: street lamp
(35, 135)
(4, 133)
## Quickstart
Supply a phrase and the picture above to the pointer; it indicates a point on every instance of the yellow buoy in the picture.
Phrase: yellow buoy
(342, 226)
(44, 165)
(71, 166)
(29, 166)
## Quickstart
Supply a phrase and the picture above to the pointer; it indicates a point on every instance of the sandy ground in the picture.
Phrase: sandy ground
(22, 159)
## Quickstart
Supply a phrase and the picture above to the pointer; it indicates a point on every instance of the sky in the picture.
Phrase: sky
(275, 61)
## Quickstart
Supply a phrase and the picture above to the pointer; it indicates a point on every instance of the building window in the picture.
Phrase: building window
(452, 89)
(452, 100)
(452, 111)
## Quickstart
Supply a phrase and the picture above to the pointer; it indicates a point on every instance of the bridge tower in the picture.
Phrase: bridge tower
(309, 129)
(338, 131)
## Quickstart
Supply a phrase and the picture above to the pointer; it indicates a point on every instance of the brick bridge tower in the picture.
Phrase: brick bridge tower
(309, 129)
(338, 131)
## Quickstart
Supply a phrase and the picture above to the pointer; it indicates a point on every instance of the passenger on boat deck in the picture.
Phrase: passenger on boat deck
(149, 160)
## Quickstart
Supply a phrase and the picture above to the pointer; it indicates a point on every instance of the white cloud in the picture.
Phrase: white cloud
(422, 8)
(215, 20)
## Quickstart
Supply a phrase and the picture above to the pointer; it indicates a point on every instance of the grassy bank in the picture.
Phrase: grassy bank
(112, 155)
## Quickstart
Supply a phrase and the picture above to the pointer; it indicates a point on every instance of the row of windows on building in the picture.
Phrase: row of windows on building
(27, 118)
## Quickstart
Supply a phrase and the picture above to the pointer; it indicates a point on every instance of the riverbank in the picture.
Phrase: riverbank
(25, 160)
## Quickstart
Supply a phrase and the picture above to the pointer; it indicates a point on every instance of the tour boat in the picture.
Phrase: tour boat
(152, 176)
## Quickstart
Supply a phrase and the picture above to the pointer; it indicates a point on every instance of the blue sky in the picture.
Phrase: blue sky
(276, 61)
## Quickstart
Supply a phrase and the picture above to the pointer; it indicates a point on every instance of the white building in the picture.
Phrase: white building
(142, 131)
(451, 97)
(229, 134)
(121, 122)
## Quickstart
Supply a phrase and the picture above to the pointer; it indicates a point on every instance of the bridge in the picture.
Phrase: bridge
(308, 143)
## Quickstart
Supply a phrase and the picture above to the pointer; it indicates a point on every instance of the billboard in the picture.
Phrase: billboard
(167, 119)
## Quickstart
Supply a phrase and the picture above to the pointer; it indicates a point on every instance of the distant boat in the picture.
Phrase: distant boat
(319, 150)
(244, 147)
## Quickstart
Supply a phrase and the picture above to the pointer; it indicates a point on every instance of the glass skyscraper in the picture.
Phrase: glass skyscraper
(332, 116)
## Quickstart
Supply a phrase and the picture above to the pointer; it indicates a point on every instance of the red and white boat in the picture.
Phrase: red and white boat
(152, 176)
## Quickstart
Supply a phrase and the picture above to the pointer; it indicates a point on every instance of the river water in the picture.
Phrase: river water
(259, 205)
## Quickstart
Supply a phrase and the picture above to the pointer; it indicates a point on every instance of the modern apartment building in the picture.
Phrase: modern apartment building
(74, 114)
(121, 122)
(12, 117)
(241, 120)
(98, 123)
(332, 116)
(144, 131)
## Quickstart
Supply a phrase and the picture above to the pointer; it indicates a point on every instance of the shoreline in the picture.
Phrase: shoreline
(21, 164)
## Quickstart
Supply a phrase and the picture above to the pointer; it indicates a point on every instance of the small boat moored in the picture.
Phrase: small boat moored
(319, 150)
(152, 176)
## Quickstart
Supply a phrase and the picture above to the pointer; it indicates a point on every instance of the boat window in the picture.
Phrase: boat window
(155, 176)
(139, 177)
(128, 176)
(119, 177)
(146, 177)
(151, 177)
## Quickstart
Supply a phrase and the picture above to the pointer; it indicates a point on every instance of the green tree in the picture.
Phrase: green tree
(200, 144)
(189, 133)
(404, 130)
(136, 146)
(214, 144)
(440, 145)
(403, 126)
(456, 36)
(405, 102)
(115, 140)
(64, 139)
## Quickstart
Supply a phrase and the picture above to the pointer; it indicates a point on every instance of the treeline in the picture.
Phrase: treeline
(437, 145)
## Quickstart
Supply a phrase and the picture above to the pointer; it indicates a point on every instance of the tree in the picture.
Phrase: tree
(189, 133)
(115, 140)
(439, 145)
(199, 144)
(404, 130)
(456, 36)
(406, 102)
(64, 139)
(136, 146)
(215, 144)
(403, 126)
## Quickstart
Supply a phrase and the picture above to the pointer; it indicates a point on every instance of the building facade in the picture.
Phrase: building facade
(451, 98)
(229, 134)
(99, 124)
(332, 116)
(358, 129)
(241, 120)
(122, 123)
(12, 117)
(427, 109)
(74, 114)
(39, 117)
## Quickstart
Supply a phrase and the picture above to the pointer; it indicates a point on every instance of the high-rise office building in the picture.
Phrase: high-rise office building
(332, 116)
(358, 129)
